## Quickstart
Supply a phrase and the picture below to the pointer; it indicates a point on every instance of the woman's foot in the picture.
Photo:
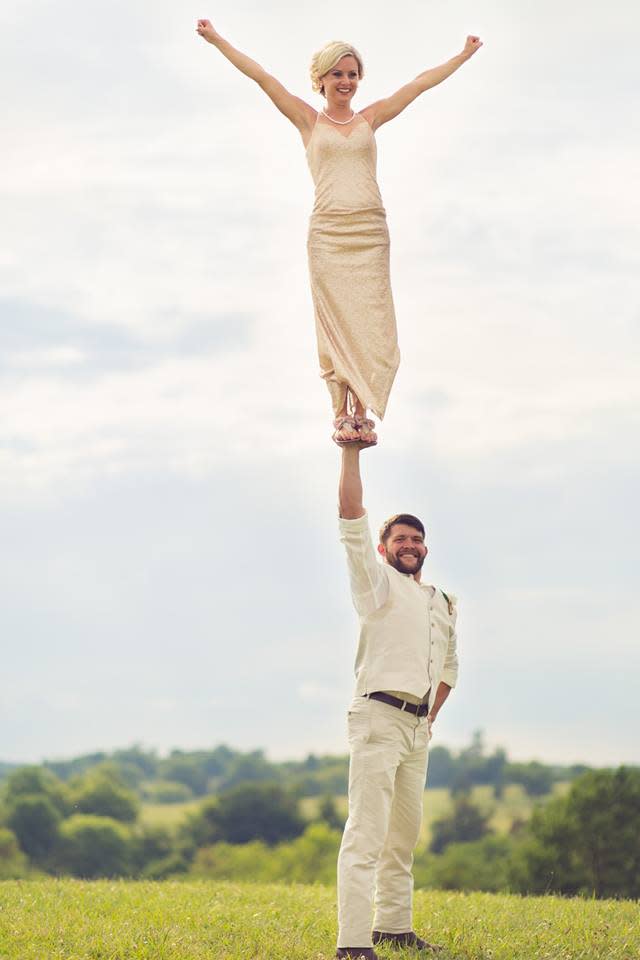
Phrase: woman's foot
(346, 431)
(366, 431)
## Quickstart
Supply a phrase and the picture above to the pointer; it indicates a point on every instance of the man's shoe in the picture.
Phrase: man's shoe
(400, 940)
(356, 953)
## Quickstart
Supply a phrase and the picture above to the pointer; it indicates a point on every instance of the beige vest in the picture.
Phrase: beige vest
(409, 643)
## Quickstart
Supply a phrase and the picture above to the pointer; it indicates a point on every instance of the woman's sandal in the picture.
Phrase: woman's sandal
(346, 431)
(366, 431)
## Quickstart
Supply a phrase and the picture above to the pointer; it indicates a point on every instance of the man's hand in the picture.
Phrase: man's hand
(206, 30)
(472, 46)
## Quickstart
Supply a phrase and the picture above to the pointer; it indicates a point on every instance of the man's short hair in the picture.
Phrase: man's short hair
(407, 518)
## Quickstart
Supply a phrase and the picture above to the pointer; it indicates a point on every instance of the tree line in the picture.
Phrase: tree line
(584, 841)
(185, 775)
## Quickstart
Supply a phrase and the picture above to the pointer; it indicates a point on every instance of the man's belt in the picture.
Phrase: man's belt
(419, 709)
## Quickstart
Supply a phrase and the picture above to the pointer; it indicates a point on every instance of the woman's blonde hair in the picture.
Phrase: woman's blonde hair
(325, 59)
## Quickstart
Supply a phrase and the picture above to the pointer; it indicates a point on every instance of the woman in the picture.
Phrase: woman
(348, 239)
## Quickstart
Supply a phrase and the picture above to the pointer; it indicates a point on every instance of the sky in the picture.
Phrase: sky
(170, 570)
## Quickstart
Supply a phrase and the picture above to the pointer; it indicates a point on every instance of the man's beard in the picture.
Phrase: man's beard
(397, 563)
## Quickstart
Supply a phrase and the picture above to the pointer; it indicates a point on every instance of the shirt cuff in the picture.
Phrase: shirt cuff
(360, 523)
(450, 677)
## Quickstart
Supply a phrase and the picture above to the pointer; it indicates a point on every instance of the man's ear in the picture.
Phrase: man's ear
(381, 550)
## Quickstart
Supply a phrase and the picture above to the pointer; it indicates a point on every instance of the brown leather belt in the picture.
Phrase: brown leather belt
(419, 709)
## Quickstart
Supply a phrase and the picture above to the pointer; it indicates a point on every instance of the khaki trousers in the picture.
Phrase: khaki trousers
(387, 771)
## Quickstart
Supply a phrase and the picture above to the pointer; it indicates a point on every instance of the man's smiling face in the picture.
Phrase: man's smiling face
(404, 549)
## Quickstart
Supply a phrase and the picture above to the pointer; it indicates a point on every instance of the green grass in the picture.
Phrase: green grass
(166, 814)
(74, 920)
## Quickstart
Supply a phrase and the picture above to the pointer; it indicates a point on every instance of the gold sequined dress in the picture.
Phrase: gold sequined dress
(348, 247)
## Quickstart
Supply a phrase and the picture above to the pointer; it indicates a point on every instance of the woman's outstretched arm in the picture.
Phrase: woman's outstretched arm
(384, 110)
(300, 113)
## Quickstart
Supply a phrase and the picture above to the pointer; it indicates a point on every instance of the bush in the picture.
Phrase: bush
(37, 781)
(148, 845)
(103, 794)
(13, 863)
(93, 847)
(310, 858)
(254, 811)
(34, 820)
(480, 865)
(169, 866)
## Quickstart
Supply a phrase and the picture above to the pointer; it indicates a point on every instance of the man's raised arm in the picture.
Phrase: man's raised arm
(369, 583)
(350, 489)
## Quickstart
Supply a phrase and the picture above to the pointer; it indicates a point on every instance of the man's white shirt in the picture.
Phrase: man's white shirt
(407, 639)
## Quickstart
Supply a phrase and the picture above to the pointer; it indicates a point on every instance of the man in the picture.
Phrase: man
(405, 667)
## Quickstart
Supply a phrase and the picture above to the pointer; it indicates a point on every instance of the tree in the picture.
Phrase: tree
(536, 778)
(93, 847)
(248, 767)
(101, 792)
(34, 820)
(587, 841)
(441, 767)
(185, 769)
(464, 824)
(37, 781)
(328, 813)
(252, 811)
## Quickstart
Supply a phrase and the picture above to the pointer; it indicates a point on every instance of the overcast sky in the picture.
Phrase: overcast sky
(170, 572)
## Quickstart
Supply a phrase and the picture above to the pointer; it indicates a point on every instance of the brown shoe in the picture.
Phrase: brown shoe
(356, 953)
(400, 940)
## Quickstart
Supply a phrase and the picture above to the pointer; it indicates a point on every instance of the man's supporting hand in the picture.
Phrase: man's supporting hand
(442, 693)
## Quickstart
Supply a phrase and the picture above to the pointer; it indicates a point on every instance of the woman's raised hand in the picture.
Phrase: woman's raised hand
(205, 29)
(472, 45)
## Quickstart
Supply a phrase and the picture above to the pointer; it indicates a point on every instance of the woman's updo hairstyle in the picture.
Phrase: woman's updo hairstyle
(325, 59)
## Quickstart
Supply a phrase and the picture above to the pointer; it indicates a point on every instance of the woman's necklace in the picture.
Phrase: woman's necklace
(342, 122)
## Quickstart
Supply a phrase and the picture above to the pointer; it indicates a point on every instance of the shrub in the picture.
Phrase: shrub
(92, 846)
(253, 811)
(34, 820)
(480, 865)
(37, 781)
(311, 858)
(13, 863)
(103, 794)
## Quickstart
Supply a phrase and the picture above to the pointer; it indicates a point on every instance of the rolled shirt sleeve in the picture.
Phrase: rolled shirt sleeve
(368, 577)
(450, 670)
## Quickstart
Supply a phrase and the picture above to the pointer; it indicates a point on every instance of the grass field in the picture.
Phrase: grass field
(74, 920)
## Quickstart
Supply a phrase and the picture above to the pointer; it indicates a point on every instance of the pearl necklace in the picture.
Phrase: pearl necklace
(342, 122)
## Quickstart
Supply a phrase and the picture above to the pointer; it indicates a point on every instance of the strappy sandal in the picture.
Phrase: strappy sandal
(346, 431)
(366, 431)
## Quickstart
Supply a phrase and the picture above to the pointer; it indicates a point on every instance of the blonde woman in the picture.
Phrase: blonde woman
(348, 240)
